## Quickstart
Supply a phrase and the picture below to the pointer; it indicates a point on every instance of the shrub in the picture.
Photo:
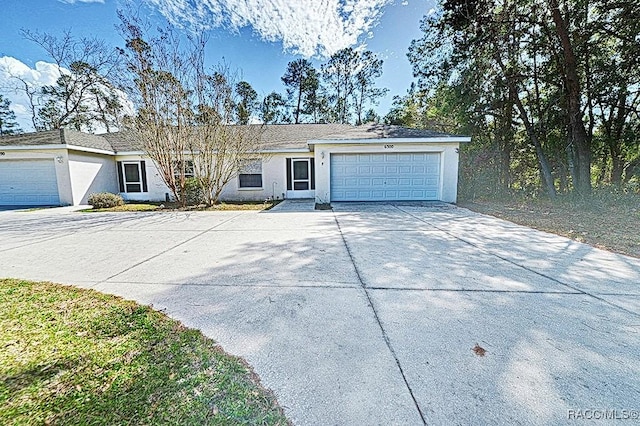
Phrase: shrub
(105, 200)
(193, 192)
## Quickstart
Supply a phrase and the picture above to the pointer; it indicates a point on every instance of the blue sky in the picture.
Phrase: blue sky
(257, 36)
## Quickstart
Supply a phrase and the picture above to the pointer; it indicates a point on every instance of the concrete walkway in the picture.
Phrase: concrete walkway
(369, 314)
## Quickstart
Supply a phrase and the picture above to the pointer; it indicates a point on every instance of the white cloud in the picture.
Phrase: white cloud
(307, 27)
(14, 74)
(80, 1)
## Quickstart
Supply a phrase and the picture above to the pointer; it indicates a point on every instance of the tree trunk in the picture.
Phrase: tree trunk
(545, 169)
(299, 99)
(580, 140)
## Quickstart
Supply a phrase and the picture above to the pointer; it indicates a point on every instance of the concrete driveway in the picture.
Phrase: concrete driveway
(369, 314)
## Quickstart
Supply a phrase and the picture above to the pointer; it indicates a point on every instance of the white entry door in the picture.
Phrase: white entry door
(300, 177)
(385, 176)
(28, 183)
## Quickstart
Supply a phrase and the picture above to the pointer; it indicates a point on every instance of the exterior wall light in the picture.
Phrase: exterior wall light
(59, 159)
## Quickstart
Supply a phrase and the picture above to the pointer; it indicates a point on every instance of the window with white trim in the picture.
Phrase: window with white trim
(250, 174)
(132, 176)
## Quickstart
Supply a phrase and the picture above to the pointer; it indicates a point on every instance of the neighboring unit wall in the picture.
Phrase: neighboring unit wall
(59, 157)
(91, 173)
(448, 166)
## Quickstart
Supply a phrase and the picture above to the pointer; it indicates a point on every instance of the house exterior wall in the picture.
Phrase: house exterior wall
(156, 188)
(60, 158)
(448, 166)
(91, 173)
(274, 180)
(274, 174)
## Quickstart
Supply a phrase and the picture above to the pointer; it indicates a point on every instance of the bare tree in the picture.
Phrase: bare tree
(186, 114)
(164, 119)
(19, 84)
(220, 148)
(83, 95)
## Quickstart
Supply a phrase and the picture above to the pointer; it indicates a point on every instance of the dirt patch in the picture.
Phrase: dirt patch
(611, 222)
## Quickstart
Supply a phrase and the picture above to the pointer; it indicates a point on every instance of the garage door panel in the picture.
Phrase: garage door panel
(392, 176)
(28, 182)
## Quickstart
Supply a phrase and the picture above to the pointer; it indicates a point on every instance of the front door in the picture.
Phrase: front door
(300, 178)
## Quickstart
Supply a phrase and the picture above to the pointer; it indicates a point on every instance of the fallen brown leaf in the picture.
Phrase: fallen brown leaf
(480, 351)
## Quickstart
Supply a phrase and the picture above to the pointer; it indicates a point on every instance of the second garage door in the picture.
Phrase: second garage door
(28, 183)
(385, 177)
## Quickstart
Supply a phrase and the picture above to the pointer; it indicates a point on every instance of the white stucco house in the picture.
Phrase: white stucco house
(328, 162)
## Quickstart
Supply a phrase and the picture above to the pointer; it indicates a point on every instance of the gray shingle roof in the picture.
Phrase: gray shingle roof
(283, 136)
(57, 137)
(275, 136)
(50, 137)
(86, 140)
(382, 131)
(123, 141)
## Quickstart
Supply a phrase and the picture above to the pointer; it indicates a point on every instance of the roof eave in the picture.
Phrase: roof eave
(429, 140)
(31, 147)
(91, 150)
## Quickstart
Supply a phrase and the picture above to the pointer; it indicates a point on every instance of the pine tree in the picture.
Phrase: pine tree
(8, 124)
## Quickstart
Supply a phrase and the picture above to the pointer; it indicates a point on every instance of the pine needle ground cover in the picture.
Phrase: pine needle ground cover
(607, 221)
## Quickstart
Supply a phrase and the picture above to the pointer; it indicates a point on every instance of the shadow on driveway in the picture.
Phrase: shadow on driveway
(369, 314)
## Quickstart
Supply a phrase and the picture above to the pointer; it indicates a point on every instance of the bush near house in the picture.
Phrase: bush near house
(105, 200)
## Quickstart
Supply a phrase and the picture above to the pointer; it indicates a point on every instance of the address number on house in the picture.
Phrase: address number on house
(388, 146)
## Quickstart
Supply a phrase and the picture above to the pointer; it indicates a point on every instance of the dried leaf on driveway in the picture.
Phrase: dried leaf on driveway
(480, 351)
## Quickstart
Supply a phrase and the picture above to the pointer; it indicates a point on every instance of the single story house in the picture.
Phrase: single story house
(328, 162)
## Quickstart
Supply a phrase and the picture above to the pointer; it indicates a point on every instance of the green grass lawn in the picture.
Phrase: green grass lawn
(73, 356)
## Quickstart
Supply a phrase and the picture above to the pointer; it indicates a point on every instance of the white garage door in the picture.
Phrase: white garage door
(28, 183)
(385, 177)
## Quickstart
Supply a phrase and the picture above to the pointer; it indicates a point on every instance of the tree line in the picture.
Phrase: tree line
(548, 89)
(89, 94)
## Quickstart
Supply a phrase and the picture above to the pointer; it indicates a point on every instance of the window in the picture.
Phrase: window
(251, 174)
(132, 176)
(188, 169)
(132, 181)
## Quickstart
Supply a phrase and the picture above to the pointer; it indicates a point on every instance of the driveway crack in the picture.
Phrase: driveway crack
(376, 316)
